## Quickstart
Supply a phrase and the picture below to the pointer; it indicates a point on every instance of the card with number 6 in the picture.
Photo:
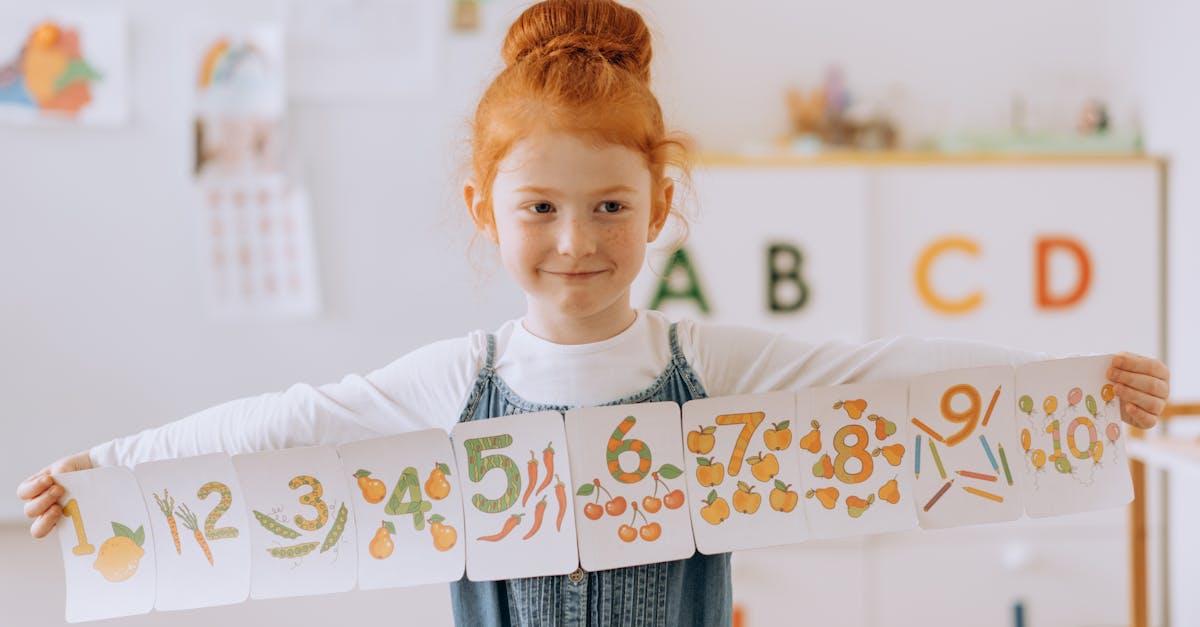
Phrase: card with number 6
(201, 536)
(299, 514)
(106, 545)
(630, 499)
(516, 492)
(407, 501)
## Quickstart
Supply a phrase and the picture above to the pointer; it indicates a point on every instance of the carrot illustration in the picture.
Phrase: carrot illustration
(509, 525)
(532, 479)
(548, 466)
(560, 492)
(189, 521)
(167, 505)
(538, 513)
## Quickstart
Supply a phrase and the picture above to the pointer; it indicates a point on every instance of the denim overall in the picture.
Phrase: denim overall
(694, 591)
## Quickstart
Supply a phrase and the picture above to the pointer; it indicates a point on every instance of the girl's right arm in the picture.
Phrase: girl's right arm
(424, 389)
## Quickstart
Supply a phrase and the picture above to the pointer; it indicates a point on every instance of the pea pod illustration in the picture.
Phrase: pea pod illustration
(296, 550)
(335, 533)
(276, 527)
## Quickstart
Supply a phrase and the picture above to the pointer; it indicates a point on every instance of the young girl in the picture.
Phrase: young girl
(570, 159)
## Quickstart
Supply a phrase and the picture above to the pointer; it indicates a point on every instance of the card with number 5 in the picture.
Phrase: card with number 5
(516, 478)
(629, 492)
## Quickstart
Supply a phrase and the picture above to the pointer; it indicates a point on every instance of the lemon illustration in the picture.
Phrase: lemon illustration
(120, 554)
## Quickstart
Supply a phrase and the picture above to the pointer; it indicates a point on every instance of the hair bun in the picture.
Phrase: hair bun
(581, 28)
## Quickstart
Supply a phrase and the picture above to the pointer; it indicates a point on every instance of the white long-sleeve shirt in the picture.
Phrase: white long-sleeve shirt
(428, 387)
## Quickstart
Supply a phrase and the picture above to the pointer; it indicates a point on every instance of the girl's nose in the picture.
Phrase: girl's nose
(576, 237)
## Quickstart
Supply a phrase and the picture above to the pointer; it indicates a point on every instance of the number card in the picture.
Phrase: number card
(855, 465)
(1072, 438)
(743, 472)
(408, 505)
(106, 546)
(201, 534)
(964, 447)
(516, 479)
(627, 462)
(299, 512)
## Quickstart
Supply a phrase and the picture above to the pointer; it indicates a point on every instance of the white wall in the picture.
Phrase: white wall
(102, 325)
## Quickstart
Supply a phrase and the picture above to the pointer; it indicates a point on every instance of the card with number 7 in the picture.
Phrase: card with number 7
(516, 492)
(743, 472)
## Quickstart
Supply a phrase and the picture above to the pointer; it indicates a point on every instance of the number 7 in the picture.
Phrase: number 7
(749, 424)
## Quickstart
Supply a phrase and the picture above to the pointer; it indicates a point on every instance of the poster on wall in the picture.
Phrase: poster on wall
(253, 222)
(63, 67)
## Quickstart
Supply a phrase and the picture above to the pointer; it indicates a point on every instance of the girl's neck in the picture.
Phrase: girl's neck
(564, 329)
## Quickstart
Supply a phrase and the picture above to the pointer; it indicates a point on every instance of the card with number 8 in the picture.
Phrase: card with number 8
(299, 512)
(516, 493)
(854, 458)
(743, 472)
(964, 447)
(630, 499)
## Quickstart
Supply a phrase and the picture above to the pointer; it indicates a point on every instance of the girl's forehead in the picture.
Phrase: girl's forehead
(561, 155)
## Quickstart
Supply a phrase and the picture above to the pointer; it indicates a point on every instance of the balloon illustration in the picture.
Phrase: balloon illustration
(1074, 396)
(1091, 405)
(1106, 392)
(1113, 431)
(1039, 458)
(1097, 451)
(1062, 464)
(1026, 404)
(1025, 438)
(1050, 404)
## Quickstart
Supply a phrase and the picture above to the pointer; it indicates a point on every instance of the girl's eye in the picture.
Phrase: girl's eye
(542, 207)
(610, 206)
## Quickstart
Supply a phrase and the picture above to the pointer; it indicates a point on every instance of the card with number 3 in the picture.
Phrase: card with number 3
(629, 491)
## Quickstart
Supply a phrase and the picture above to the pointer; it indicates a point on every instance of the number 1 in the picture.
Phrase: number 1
(71, 509)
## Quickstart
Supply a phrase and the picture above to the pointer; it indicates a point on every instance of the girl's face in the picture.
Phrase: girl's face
(572, 219)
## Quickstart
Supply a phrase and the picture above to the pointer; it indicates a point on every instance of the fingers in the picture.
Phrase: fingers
(1138, 417)
(34, 486)
(1142, 365)
(1142, 383)
(45, 523)
(38, 505)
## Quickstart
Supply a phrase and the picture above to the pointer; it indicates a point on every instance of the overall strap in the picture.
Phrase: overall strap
(676, 352)
(489, 364)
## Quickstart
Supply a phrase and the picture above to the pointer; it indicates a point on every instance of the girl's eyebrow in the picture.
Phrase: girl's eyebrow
(547, 191)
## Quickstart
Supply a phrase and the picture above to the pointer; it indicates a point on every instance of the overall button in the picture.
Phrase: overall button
(577, 576)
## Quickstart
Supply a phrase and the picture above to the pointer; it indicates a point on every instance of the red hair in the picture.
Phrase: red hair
(581, 66)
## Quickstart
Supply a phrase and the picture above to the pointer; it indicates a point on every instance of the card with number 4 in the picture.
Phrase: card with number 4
(299, 513)
(743, 472)
(106, 545)
(629, 489)
(516, 478)
(963, 447)
(201, 534)
(854, 460)
(1072, 438)
(407, 501)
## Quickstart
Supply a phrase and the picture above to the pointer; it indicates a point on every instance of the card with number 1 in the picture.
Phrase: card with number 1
(854, 460)
(629, 493)
(743, 472)
(106, 545)
(516, 479)
(201, 535)
(964, 447)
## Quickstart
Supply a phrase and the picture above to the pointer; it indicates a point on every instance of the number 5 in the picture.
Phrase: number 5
(478, 466)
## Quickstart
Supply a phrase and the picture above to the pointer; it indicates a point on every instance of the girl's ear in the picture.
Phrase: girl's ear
(662, 209)
(473, 207)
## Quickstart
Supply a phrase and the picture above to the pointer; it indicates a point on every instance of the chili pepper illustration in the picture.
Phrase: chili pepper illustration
(509, 525)
(548, 466)
(532, 479)
(538, 513)
(560, 492)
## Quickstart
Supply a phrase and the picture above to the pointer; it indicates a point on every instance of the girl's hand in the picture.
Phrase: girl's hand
(41, 493)
(1142, 384)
